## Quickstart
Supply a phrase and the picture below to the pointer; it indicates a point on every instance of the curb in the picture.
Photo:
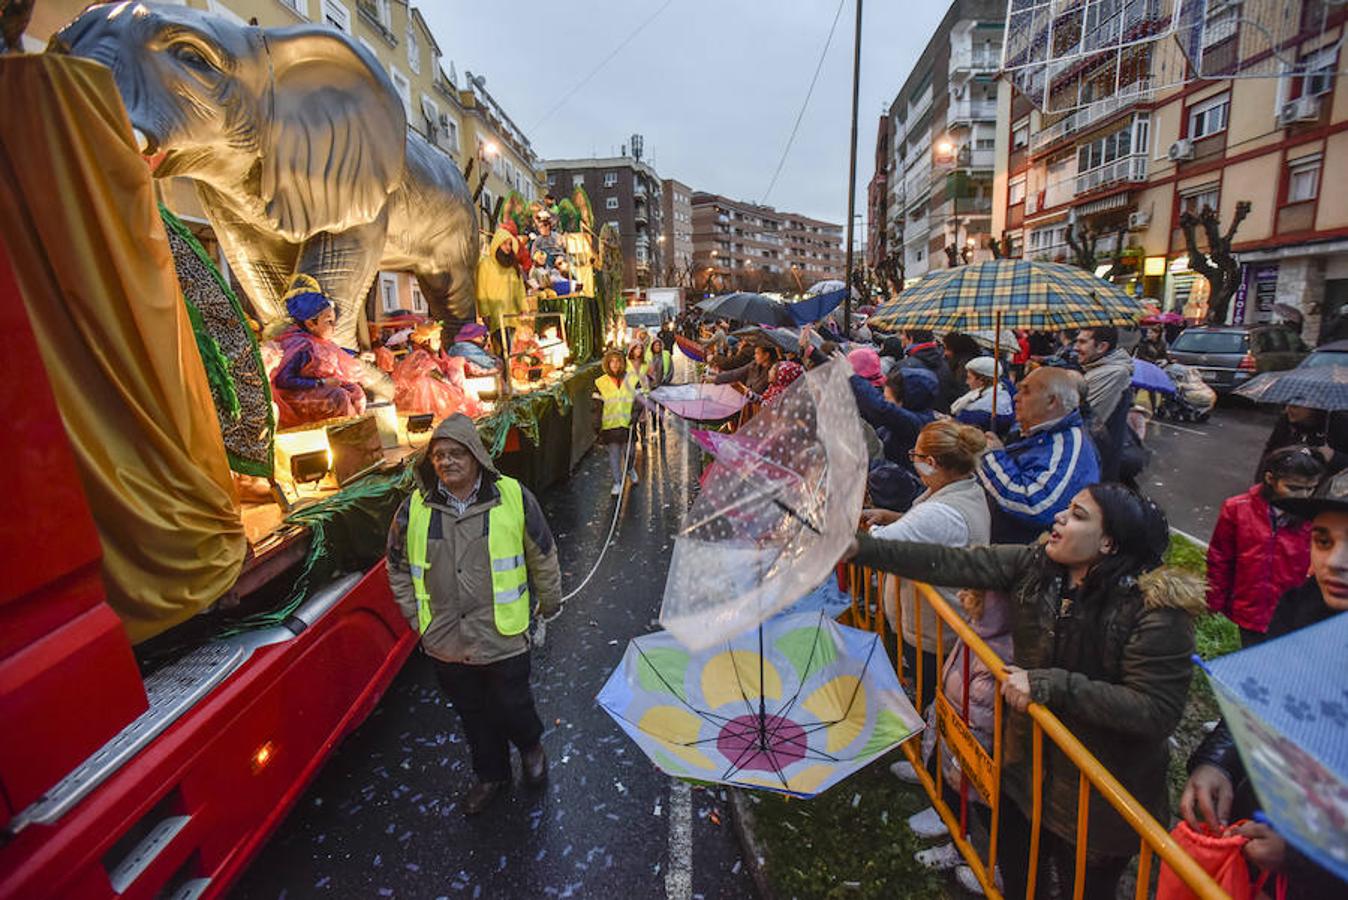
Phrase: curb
(750, 845)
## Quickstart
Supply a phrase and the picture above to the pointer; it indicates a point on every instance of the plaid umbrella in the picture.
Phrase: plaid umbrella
(1317, 387)
(1009, 293)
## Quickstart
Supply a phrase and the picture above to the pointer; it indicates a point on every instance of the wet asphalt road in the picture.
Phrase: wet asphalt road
(382, 819)
(1197, 465)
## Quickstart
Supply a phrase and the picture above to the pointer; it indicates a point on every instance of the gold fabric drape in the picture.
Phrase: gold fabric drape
(80, 224)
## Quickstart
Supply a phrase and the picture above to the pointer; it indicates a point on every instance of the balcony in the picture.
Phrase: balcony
(976, 62)
(1089, 115)
(1124, 169)
(971, 111)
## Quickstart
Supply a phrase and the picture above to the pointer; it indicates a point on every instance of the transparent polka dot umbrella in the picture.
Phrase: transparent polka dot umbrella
(776, 511)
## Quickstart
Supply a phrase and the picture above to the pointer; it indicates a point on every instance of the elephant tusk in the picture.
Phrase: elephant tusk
(142, 142)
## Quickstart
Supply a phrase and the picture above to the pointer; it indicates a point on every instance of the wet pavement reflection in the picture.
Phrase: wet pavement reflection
(382, 819)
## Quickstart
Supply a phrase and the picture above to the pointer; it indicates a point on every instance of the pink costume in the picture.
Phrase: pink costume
(425, 383)
(299, 397)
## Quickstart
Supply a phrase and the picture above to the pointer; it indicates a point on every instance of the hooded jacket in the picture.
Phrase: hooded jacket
(901, 424)
(463, 621)
(1106, 380)
(1254, 557)
(1114, 667)
(931, 357)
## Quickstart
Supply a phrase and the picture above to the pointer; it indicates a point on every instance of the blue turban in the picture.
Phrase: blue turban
(306, 305)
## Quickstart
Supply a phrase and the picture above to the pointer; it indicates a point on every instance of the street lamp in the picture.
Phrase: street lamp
(945, 149)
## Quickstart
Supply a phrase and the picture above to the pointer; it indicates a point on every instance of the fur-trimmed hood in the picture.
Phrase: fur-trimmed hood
(1167, 587)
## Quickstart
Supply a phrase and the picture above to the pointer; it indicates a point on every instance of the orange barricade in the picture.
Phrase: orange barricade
(983, 771)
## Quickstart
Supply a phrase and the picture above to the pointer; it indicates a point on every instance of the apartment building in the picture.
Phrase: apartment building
(748, 246)
(627, 194)
(677, 238)
(877, 197)
(461, 120)
(1135, 146)
(938, 173)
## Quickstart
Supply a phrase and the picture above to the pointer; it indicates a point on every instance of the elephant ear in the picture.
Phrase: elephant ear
(336, 143)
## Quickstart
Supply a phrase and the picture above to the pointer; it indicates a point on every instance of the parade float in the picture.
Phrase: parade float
(194, 609)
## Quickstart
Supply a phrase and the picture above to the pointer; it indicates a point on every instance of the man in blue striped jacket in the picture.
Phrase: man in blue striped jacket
(1036, 475)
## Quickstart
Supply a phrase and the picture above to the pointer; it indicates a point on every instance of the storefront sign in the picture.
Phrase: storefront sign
(1258, 291)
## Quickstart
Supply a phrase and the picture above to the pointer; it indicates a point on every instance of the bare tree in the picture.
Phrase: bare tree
(1082, 239)
(1000, 249)
(891, 273)
(1219, 266)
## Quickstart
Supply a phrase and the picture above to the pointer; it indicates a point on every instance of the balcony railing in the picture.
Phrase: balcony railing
(968, 110)
(979, 62)
(1125, 168)
(1089, 115)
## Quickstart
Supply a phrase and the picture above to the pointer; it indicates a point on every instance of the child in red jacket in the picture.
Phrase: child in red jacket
(1258, 552)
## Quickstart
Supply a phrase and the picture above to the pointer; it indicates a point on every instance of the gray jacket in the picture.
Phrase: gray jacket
(463, 622)
(1106, 380)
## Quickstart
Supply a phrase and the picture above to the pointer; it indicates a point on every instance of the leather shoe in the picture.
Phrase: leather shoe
(480, 796)
(535, 763)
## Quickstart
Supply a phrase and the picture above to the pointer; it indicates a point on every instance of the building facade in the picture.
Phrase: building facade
(462, 121)
(747, 246)
(627, 194)
(877, 197)
(942, 134)
(1130, 157)
(676, 241)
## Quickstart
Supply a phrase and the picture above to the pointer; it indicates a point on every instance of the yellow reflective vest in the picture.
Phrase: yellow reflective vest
(505, 547)
(618, 400)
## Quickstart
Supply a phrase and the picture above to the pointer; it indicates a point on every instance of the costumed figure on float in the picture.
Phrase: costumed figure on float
(316, 379)
(428, 380)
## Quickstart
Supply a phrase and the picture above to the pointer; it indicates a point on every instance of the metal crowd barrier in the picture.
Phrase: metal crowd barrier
(984, 772)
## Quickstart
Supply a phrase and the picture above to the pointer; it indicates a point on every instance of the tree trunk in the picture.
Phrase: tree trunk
(1219, 265)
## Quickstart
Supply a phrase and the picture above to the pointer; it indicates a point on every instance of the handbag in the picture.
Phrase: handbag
(1219, 854)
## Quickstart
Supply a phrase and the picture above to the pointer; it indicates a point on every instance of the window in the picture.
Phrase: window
(388, 291)
(337, 15)
(298, 7)
(1020, 136)
(413, 50)
(1209, 117)
(1319, 78)
(1142, 133)
(1016, 191)
(612, 224)
(577, 181)
(418, 301)
(985, 143)
(610, 179)
(1193, 200)
(403, 87)
(611, 203)
(552, 181)
(1303, 180)
(449, 133)
(385, 13)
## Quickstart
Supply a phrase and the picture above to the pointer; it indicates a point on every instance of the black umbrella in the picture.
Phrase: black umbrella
(743, 306)
(1315, 387)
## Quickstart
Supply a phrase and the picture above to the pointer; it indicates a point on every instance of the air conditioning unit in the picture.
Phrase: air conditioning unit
(1302, 109)
(1181, 149)
(1138, 220)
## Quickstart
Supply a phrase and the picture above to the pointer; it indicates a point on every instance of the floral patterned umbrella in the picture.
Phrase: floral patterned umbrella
(794, 706)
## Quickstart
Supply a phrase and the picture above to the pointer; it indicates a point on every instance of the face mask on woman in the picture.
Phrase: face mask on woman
(925, 469)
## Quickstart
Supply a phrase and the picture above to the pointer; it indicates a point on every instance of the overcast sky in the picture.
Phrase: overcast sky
(713, 85)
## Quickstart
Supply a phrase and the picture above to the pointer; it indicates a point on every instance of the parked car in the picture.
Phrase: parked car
(1335, 353)
(1226, 356)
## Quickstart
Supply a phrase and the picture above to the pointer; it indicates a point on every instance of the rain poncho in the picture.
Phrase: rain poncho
(299, 396)
(432, 383)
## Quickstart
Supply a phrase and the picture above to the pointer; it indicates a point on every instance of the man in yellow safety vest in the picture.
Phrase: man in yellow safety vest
(468, 553)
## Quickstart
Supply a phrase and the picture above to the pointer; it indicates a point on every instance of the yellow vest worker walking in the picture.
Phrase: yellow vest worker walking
(616, 389)
(469, 553)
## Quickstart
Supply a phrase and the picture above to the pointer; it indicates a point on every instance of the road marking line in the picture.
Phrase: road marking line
(1190, 538)
(679, 872)
(1180, 428)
